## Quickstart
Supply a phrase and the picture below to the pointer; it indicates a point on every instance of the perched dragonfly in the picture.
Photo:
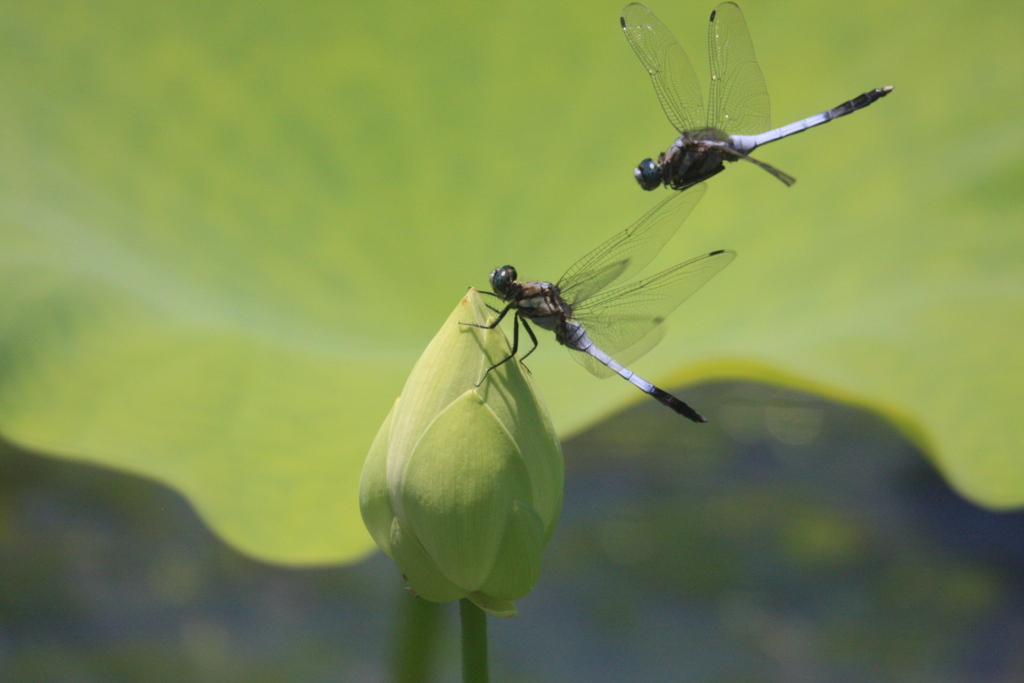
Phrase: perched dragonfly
(595, 322)
(738, 109)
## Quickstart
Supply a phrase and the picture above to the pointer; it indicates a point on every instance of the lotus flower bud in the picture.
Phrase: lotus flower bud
(463, 485)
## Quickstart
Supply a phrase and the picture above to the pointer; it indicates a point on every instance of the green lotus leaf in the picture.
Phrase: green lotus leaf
(227, 231)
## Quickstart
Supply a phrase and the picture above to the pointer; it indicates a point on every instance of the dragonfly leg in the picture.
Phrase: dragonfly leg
(533, 338)
(784, 177)
(488, 305)
(501, 314)
(515, 343)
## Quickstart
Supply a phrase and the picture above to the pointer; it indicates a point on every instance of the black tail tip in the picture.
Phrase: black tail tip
(691, 414)
(675, 404)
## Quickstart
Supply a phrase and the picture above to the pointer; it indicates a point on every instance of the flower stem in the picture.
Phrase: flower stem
(474, 642)
(417, 639)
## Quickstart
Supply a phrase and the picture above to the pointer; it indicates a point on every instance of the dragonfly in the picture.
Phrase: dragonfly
(738, 111)
(593, 321)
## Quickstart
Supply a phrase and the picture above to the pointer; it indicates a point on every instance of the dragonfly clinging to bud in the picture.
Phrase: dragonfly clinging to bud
(595, 322)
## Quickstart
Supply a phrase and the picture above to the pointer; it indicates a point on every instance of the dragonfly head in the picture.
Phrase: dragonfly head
(502, 279)
(648, 174)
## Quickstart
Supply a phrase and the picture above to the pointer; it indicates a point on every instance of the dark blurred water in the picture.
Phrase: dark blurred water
(790, 539)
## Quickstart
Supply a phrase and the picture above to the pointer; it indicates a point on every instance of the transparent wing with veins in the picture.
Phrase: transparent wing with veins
(670, 69)
(630, 251)
(625, 322)
(738, 101)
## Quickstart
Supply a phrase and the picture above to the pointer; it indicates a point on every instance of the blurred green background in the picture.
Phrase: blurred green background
(792, 540)
(227, 230)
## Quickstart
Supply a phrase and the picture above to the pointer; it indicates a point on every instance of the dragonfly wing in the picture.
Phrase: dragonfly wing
(738, 103)
(628, 252)
(624, 357)
(671, 72)
(624, 317)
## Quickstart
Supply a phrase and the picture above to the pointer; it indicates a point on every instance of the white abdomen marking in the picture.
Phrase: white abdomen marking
(580, 341)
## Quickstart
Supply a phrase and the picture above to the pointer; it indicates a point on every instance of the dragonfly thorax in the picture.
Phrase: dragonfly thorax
(703, 135)
(542, 303)
(691, 160)
(693, 157)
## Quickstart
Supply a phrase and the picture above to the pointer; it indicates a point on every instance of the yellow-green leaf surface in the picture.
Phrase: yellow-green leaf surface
(228, 230)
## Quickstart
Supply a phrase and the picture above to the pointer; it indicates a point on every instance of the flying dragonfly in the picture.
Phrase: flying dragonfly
(738, 110)
(595, 322)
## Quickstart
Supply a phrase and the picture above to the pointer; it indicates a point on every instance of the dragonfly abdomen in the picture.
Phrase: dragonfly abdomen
(575, 337)
(747, 143)
(675, 404)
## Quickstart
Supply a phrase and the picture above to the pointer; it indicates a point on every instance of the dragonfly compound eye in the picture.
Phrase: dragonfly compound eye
(502, 278)
(648, 174)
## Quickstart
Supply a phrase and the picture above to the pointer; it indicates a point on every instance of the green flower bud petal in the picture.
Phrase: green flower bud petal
(453, 362)
(463, 485)
(418, 569)
(374, 502)
(495, 606)
(517, 565)
(531, 430)
(459, 486)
